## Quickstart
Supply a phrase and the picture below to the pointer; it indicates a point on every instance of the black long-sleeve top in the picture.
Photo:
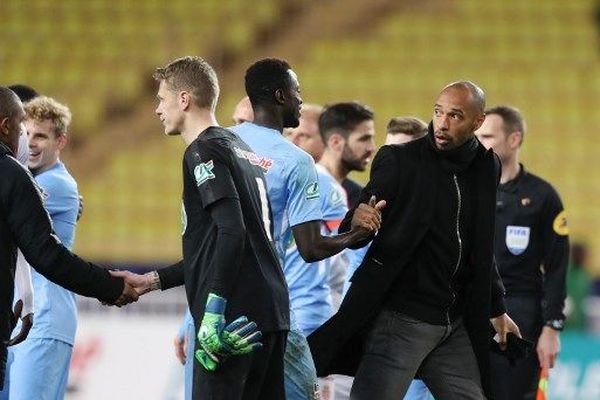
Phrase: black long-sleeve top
(532, 242)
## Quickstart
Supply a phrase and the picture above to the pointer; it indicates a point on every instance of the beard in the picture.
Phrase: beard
(290, 120)
(351, 162)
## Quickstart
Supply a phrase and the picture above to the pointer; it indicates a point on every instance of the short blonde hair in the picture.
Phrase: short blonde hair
(192, 74)
(44, 108)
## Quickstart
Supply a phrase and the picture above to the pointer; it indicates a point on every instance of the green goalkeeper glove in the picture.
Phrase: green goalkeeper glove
(218, 342)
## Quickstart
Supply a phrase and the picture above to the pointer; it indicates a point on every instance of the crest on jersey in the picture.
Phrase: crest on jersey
(204, 172)
(312, 191)
(517, 239)
(336, 197)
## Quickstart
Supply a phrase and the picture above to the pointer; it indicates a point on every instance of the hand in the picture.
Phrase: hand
(26, 324)
(241, 337)
(128, 296)
(548, 347)
(368, 216)
(141, 283)
(218, 342)
(209, 334)
(503, 324)
(180, 343)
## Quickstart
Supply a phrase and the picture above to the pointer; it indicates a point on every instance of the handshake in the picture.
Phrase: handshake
(219, 342)
(135, 286)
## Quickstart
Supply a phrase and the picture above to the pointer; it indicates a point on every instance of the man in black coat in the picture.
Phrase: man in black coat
(24, 223)
(422, 301)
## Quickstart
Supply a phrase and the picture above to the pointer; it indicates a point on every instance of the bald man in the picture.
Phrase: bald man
(423, 298)
(243, 111)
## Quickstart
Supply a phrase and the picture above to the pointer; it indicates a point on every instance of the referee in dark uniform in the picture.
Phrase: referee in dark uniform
(531, 250)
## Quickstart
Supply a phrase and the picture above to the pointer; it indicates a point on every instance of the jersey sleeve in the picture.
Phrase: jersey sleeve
(62, 203)
(303, 192)
(208, 164)
(555, 245)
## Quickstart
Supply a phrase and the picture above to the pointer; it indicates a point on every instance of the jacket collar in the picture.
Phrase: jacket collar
(512, 185)
(4, 150)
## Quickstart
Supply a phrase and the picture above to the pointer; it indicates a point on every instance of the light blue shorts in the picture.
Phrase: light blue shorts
(190, 360)
(417, 391)
(37, 369)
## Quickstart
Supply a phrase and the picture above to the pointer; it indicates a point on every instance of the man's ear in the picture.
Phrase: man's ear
(4, 126)
(336, 142)
(280, 96)
(61, 141)
(478, 121)
(515, 139)
(185, 100)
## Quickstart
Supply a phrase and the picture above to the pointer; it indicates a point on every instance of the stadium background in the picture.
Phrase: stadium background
(97, 56)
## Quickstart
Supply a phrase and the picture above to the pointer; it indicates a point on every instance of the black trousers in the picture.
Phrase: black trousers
(258, 375)
(400, 347)
(519, 382)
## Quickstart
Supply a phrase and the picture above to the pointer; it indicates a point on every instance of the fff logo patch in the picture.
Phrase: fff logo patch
(517, 239)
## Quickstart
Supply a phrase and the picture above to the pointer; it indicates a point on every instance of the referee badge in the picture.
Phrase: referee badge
(560, 225)
(517, 239)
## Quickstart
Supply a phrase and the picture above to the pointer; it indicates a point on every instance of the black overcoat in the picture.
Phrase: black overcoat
(404, 176)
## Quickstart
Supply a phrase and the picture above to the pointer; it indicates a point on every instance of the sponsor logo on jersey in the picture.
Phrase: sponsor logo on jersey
(203, 172)
(254, 159)
(560, 225)
(312, 191)
(517, 239)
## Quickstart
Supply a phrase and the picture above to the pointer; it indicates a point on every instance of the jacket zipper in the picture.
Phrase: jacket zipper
(459, 240)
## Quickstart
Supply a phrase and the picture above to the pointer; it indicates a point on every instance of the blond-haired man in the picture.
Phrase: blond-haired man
(229, 268)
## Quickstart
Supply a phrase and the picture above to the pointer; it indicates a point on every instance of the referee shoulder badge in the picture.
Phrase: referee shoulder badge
(560, 225)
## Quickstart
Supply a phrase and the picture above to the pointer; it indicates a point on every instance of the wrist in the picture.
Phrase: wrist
(555, 324)
(152, 281)
(215, 304)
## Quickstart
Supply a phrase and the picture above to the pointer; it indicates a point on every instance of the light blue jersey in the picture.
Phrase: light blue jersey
(308, 283)
(54, 307)
(292, 183)
(293, 191)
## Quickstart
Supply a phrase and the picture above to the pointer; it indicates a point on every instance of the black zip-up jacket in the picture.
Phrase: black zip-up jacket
(25, 224)
(532, 242)
(431, 289)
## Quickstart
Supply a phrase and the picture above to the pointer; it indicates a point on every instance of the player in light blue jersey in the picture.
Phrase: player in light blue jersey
(309, 283)
(38, 367)
(293, 191)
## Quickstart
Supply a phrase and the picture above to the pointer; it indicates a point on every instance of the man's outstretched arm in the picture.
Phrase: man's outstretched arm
(313, 246)
(31, 227)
